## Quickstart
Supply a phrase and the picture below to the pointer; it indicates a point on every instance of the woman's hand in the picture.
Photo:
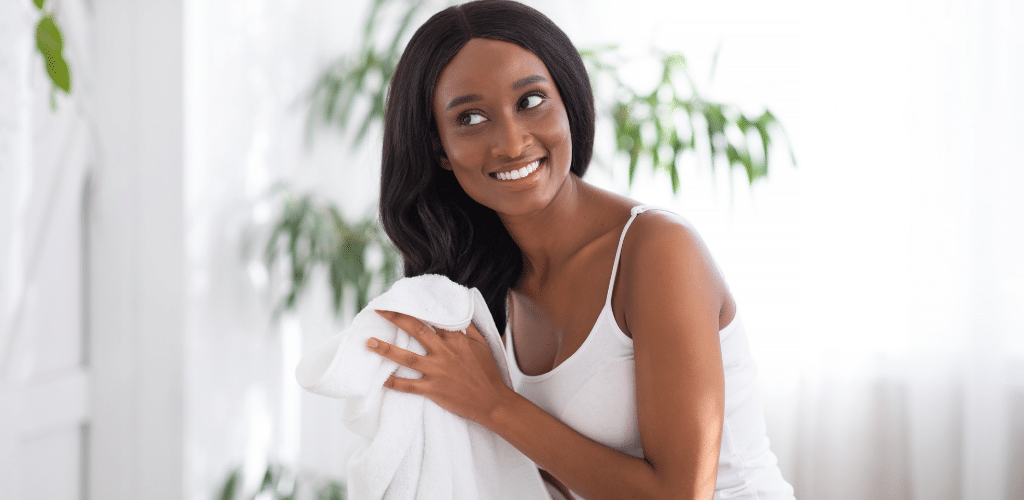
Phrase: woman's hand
(459, 372)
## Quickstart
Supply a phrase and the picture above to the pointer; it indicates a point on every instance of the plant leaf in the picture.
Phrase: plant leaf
(48, 36)
(59, 73)
(268, 481)
(50, 44)
(230, 488)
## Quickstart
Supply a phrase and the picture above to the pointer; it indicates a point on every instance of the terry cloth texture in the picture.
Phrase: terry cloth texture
(412, 448)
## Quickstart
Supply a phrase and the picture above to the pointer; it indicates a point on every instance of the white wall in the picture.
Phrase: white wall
(135, 94)
(44, 375)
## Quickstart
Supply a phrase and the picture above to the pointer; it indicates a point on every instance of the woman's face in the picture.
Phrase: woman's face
(503, 126)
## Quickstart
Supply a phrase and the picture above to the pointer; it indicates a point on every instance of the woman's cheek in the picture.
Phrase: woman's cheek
(466, 151)
(558, 137)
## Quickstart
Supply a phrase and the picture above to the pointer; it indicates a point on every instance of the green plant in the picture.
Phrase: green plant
(678, 116)
(50, 44)
(311, 233)
(362, 76)
(281, 483)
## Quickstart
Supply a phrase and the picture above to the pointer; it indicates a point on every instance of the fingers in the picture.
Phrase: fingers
(419, 330)
(397, 354)
(412, 386)
(428, 337)
(422, 332)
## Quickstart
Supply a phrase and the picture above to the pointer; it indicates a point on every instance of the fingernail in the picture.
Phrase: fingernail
(372, 343)
(383, 314)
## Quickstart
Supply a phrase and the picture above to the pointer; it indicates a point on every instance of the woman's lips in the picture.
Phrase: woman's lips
(520, 173)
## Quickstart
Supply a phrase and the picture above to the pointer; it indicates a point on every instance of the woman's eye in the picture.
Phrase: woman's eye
(530, 101)
(471, 119)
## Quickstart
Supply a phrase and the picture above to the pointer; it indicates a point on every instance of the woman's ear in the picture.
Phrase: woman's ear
(442, 157)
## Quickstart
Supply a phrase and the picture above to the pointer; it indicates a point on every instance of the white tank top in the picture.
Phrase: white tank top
(594, 392)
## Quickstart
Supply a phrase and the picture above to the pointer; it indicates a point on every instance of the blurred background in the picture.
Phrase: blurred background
(190, 208)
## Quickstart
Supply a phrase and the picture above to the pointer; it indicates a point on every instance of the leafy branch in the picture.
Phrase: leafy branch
(310, 233)
(677, 114)
(363, 76)
(50, 44)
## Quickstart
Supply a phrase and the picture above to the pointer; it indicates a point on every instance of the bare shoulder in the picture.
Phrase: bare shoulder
(665, 261)
(658, 239)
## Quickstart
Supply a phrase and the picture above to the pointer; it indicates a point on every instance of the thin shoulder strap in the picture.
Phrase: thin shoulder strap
(639, 209)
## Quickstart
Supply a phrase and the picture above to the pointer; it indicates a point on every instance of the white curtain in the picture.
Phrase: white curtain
(913, 280)
(900, 375)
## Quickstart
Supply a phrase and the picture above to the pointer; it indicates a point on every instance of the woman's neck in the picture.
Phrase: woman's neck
(549, 237)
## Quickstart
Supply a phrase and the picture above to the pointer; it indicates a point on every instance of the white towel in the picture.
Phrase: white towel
(413, 448)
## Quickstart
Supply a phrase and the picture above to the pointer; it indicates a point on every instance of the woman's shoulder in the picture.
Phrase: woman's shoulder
(663, 250)
(656, 230)
(665, 264)
(656, 239)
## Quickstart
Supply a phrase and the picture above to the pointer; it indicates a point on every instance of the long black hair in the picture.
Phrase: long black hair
(435, 225)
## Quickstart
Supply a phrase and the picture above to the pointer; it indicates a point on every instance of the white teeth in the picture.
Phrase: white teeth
(518, 174)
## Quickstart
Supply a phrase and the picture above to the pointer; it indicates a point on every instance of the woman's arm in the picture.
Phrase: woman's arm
(672, 303)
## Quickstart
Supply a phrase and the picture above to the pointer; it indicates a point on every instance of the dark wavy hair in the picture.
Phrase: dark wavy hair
(435, 225)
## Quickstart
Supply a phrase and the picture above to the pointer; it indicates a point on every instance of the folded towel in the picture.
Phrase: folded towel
(412, 447)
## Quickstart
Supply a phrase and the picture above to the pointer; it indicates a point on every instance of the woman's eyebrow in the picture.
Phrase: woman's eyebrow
(463, 100)
(520, 83)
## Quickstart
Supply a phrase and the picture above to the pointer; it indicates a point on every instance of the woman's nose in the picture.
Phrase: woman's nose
(512, 139)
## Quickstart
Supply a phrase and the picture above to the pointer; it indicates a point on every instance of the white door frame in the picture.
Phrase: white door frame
(137, 299)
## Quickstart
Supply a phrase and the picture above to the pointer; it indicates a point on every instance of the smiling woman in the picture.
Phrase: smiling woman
(427, 214)
(632, 376)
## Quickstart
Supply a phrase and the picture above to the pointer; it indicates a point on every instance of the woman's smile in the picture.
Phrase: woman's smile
(516, 174)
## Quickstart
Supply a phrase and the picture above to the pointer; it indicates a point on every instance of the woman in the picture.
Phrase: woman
(632, 373)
